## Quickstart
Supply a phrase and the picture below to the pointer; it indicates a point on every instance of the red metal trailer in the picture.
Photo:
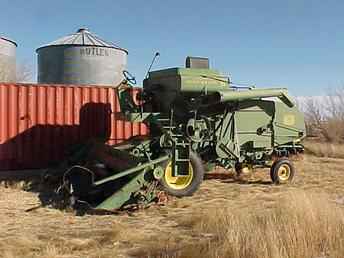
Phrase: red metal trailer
(39, 122)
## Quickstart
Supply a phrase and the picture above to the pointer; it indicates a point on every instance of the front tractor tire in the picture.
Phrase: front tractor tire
(282, 171)
(183, 185)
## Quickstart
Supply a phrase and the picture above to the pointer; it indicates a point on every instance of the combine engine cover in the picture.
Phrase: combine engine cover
(166, 86)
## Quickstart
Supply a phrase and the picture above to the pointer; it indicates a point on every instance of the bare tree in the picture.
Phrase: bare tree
(24, 72)
(325, 116)
(313, 116)
(335, 103)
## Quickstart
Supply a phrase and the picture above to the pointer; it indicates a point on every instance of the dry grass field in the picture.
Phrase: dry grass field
(246, 218)
(324, 149)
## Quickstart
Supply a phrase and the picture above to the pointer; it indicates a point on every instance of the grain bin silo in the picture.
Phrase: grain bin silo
(7, 60)
(81, 58)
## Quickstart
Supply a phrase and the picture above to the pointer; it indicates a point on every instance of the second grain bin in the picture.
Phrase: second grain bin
(7, 60)
(81, 58)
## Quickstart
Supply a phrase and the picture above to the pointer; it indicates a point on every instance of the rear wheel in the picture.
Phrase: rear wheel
(282, 171)
(183, 185)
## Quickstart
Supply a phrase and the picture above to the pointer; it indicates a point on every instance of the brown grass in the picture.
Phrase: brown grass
(300, 225)
(60, 246)
(325, 149)
(225, 218)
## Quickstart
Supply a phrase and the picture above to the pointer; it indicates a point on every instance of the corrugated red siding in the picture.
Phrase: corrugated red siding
(38, 122)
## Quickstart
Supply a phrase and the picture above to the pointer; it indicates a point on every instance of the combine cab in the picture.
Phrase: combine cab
(195, 116)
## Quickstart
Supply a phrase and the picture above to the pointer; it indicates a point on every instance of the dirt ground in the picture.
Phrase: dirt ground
(48, 232)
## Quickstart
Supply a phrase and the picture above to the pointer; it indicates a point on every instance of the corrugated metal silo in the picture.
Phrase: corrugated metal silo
(81, 58)
(7, 60)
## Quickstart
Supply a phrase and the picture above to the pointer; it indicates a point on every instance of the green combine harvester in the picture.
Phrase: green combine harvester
(196, 118)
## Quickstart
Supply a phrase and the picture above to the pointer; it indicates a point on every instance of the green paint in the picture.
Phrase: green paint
(197, 109)
(132, 170)
(123, 195)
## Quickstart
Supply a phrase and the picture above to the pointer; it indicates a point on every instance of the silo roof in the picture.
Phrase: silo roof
(83, 37)
(9, 40)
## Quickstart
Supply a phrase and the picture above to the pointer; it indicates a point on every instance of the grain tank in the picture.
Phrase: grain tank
(81, 58)
(7, 60)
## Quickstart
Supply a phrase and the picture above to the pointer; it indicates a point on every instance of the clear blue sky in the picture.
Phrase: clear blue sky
(297, 44)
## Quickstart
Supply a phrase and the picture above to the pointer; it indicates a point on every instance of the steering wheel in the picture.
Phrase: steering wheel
(129, 77)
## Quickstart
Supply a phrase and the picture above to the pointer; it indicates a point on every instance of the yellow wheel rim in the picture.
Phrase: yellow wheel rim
(177, 182)
(284, 173)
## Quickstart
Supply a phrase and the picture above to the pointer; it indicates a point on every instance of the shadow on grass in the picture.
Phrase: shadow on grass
(230, 178)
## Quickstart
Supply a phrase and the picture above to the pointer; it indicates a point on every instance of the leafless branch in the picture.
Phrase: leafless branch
(24, 72)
